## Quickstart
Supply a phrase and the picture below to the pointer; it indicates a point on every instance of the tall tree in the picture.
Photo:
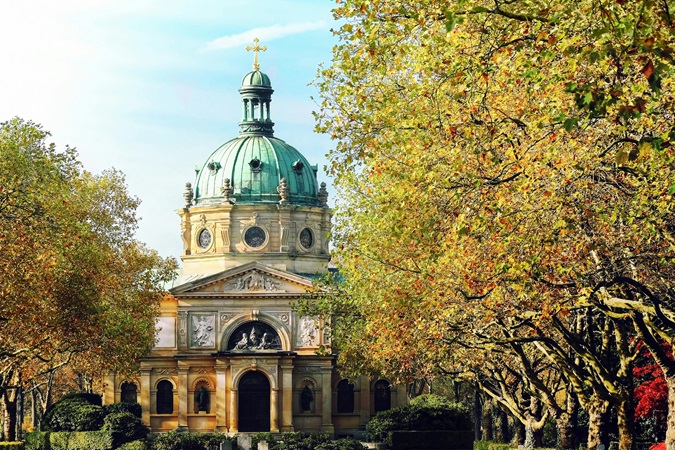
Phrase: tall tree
(500, 159)
(76, 286)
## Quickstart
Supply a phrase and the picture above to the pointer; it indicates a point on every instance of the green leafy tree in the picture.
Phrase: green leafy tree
(503, 160)
(77, 288)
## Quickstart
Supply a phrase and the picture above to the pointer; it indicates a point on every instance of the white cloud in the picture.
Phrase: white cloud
(264, 34)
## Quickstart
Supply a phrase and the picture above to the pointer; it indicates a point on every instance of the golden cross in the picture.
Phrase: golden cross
(256, 48)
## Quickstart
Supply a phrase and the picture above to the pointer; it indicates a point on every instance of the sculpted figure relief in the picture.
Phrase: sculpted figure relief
(254, 281)
(202, 331)
(254, 338)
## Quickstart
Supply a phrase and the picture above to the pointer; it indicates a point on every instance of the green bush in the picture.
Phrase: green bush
(37, 440)
(90, 440)
(92, 399)
(211, 441)
(188, 441)
(59, 441)
(489, 445)
(74, 414)
(135, 445)
(341, 444)
(420, 417)
(401, 440)
(125, 427)
(11, 445)
(133, 408)
(302, 441)
(434, 401)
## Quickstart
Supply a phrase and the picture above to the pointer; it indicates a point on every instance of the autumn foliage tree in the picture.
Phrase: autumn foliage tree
(77, 289)
(505, 161)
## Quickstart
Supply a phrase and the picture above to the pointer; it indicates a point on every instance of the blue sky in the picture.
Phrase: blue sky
(149, 87)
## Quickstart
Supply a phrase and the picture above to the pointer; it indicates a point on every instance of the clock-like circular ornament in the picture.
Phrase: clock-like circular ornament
(204, 238)
(306, 238)
(255, 237)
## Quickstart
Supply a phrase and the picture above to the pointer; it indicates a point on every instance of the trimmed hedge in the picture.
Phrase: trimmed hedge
(431, 440)
(37, 440)
(189, 441)
(74, 414)
(306, 441)
(490, 445)
(125, 427)
(425, 416)
(12, 445)
(70, 440)
(133, 408)
(135, 445)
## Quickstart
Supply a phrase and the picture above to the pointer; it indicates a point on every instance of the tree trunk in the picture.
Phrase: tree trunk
(476, 413)
(9, 405)
(519, 434)
(486, 423)
(597, 416)
(670, 429)
(625, 421)
(529, 436)
(502, 426)
(567, 436)
(19, 414)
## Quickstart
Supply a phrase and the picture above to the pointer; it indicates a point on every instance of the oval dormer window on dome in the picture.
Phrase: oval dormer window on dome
(256, 165)
(298, 166)
(213, 167)
(204, 239)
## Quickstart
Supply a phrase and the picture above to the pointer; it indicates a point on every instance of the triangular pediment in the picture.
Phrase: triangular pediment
(248, 279)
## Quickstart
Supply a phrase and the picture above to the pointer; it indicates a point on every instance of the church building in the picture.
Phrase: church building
(231, 354)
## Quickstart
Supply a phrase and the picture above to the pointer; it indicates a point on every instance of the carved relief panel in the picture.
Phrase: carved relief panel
(202, 330)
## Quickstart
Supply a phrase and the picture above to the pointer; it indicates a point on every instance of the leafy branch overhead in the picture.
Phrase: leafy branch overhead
(504, 165)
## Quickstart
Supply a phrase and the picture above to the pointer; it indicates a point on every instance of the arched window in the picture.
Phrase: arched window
(382, 396)
(345, 397)
(164, 397)
(129, 393)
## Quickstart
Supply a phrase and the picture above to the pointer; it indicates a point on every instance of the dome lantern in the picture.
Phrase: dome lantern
(256, 95)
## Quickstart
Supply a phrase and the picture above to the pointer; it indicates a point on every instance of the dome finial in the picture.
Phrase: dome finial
(256, 48)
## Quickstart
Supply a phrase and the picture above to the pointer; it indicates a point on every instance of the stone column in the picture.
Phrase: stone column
(274, 410)
(365, 401)
(326, 402)
(145, 396)
(109, 389)
(287, 396)
(182, 397)
(234, 414)
(221, 397)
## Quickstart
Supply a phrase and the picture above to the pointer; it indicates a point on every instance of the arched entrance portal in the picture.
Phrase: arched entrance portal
(254, 402)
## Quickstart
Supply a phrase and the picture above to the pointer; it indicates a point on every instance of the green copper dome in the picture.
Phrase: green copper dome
(256, 78)
(257, 167)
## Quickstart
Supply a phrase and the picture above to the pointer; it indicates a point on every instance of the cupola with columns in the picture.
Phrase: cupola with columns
(255, 198)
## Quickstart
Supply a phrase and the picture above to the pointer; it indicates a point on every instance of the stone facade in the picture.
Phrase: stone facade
(231, 354)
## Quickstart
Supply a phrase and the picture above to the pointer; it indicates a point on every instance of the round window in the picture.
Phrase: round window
(204, 239)
(306, 238)
(255, 237)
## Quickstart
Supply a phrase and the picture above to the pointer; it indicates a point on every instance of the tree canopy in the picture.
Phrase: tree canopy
(77, 288)
(504, 169)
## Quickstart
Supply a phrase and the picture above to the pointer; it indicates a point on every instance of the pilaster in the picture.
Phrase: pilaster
(221, 396)
(326, 402)
(234, 417)
(274, 410)
(287, 397)
(183, 370)
(145, 396)
(365, 401)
